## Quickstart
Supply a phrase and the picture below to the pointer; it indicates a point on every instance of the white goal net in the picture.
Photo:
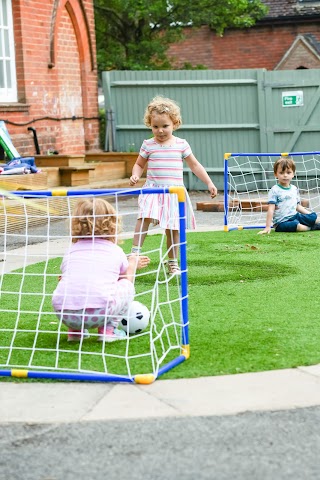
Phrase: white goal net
(249, 176)
(34, 236)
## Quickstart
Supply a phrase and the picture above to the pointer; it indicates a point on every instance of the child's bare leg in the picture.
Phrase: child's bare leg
(172, 241)
(302, 228)
(173, 252)
(316, 226)
(140, 234)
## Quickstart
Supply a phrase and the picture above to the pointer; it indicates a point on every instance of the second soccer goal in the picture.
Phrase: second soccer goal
(249, 176)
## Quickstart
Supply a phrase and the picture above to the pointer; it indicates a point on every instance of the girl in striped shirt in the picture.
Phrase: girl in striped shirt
(164, 153)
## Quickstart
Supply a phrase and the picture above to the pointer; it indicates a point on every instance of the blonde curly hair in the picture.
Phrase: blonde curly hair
(161, 105)
(94, 217)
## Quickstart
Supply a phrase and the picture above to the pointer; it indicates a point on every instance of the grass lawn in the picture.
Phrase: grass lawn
(253, 303)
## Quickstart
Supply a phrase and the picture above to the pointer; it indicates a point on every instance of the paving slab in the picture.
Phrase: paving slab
(232, 394)
(48, 402)
(128, 401)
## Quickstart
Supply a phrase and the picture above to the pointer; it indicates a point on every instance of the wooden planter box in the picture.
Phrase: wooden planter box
(32, 181)
(59, 160)
(76, 170)
(128, 157)
(65, 170)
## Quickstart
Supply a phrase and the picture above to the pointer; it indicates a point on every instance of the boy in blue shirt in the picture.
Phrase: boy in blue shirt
(285, 211)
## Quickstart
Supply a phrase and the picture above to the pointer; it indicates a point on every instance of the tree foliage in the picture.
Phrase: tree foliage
(135, 34)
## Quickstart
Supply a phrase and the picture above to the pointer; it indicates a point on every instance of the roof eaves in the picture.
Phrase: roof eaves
(289, 19)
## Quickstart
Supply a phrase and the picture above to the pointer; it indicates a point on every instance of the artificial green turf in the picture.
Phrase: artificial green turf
(254, 302)
(253, 305)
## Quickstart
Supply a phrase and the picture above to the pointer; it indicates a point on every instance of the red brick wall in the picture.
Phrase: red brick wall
(258, 47)
(66, 89)
(69, 85)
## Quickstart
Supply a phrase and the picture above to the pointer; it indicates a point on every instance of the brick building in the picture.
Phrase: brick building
(48, 75)
(287, 38)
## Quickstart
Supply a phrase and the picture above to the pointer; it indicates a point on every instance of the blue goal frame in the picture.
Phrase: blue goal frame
(184, 347)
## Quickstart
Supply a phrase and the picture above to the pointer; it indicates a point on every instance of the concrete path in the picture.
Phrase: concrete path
(206, 396)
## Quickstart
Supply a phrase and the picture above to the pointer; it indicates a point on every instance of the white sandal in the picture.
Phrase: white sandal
(173, 268)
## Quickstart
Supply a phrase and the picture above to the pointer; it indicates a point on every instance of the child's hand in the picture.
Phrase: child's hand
(133, 180)
(143, 261)
(265, 230)
(213, 190)
(139, 261)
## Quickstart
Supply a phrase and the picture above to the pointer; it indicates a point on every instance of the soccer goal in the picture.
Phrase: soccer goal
(248, 178)
(35, 231)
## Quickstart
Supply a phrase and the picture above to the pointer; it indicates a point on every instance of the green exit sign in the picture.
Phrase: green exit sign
(292, 99)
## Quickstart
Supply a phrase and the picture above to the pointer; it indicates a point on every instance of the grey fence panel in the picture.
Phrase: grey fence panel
(222, 111)
(296, 127)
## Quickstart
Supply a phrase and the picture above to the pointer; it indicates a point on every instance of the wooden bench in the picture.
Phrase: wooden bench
(75, 176)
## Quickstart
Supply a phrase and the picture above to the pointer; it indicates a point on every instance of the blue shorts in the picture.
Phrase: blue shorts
(291, 224)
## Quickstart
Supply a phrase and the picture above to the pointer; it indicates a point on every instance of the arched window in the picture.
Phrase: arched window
(8, 84)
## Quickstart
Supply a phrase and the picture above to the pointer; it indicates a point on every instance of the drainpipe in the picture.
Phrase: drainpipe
(35, 139)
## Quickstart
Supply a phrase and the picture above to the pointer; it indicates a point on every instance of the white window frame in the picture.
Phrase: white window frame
(8, 82)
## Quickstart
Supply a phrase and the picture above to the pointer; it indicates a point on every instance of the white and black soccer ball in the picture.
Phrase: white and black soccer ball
(137, 319)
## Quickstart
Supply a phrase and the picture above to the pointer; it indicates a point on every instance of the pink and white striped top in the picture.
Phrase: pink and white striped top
(165, 162)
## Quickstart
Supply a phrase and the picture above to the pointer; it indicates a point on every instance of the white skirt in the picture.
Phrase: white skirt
(163, 208)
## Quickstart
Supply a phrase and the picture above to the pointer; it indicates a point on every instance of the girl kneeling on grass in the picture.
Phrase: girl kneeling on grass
(96, 285)
(284, 210)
